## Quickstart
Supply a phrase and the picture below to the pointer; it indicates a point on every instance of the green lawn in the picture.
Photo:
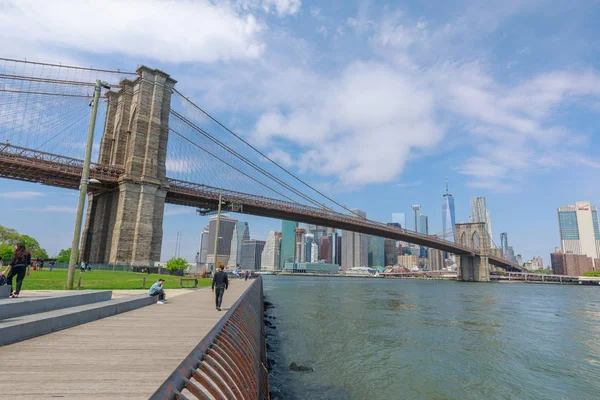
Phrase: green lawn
(56, 280)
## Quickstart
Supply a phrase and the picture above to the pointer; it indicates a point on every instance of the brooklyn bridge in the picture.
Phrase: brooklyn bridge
(157, 146)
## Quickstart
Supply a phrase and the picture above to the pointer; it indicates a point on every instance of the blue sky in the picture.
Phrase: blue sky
(374, 102)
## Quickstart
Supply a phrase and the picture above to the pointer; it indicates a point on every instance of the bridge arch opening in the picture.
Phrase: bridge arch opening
(463, 239)
(476, 243)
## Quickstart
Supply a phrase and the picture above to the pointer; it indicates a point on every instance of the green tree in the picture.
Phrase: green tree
(175, 264)
(33, 246)
(8, 235)
(64, 255)
(6, 251)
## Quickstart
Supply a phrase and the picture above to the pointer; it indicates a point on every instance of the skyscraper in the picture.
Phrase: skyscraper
(308, 248)
(423, 224)
(317, 231)
(325, 249)
(416, 209)
(480, 213)
(288, 242)
(399, 218)
(504, 243)
(241, 232)
(226, 227)
(314, 253)
(300, 245)
(390, 252)
(579, 230)
(376, 256)
(204, 245)
(251, 254)
(355, 246)
(448, 217)
(271, 253)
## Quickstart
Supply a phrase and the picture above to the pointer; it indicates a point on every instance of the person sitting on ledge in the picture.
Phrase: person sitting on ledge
(157, 289)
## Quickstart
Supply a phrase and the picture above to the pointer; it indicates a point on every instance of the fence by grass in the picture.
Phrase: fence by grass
(101, 279)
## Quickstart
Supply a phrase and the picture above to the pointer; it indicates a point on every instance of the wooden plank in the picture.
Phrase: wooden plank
(126, 356)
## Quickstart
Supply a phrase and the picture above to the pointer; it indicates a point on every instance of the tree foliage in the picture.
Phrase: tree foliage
(9, 237)
(64, 255)
(592, 273)
(175, 264)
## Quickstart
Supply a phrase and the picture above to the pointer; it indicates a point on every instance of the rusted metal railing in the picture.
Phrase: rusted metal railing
(230, 362)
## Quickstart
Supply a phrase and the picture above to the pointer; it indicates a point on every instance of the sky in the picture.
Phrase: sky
(374, 102)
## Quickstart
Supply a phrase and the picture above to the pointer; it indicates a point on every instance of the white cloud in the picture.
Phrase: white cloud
(173, 31)
(361, 127)
(280, 7)
(21, 195)
(281, 157)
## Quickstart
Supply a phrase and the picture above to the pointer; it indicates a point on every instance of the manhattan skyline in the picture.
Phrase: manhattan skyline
(462, 90)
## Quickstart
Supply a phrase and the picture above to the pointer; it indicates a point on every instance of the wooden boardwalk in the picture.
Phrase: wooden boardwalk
(127, 356)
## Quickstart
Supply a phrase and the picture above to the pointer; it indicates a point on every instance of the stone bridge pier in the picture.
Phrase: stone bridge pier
(474, 267)
(124, 226)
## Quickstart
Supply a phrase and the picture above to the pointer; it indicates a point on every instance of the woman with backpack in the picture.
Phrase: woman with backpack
(19, 266)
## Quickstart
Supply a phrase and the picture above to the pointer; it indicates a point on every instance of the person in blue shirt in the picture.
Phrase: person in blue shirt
(157, 289)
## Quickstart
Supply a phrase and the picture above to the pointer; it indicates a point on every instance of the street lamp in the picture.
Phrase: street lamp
(217, 232)
(85, 180)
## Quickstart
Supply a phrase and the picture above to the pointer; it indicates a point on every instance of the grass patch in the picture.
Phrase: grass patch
(56, 280)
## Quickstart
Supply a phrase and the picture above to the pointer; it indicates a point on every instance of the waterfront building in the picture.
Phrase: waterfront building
(408, 261)
(519, 259)
(204, 245)
(300, 245)
(510, 254)
(448, 216)
(288, 242)
(325, 249)
(537, 262)
(376, 256)
(355, 246)
(251, 254)
(423, 224)
(226, 227)
(314, 252)
(271, 253)
(399, 219)
(337, 251)
(311, 268)
(241, 232)
(579, 230)
(308, 241)
(416, 209)
(389, 250)
(318, 232)
(570, 264)
(436, 260)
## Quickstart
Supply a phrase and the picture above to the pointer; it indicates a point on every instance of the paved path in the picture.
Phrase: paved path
(126, 356)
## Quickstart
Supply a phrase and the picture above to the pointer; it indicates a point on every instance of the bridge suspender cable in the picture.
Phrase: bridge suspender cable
(262, 154)
(244, 159)
(229, 165)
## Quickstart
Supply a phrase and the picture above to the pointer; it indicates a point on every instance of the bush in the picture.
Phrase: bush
(176, 264)
(592, 273)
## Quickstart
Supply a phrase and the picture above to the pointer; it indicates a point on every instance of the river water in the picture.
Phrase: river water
(414, 339)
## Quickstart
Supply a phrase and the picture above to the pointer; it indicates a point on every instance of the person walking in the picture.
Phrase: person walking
(19, 267)
(221, 283)
(246, 275)
(51, 265)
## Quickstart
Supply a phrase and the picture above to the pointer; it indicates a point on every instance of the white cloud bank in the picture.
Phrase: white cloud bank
(169, 31)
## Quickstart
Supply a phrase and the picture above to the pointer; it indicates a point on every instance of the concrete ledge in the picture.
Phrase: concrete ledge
(29, 326)
(11, 308)
(4, 293)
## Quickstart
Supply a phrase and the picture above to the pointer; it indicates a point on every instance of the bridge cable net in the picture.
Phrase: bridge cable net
(203, 150)
(46, 107)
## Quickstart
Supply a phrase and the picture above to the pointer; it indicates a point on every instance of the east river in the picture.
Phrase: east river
(414, 339)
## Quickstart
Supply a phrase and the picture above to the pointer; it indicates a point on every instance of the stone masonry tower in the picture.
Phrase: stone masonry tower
(124, 226)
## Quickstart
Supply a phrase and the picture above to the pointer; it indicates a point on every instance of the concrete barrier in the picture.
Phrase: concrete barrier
(28, 326)
(4, 291)
(11, 308)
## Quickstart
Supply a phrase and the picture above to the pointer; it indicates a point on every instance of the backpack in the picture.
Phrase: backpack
(3, 280)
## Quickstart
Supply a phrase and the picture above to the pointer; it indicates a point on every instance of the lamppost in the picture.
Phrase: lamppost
(217, 232)
(85, 180)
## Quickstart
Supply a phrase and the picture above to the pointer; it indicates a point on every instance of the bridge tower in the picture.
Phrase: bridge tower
(124, 226)
(475, 267)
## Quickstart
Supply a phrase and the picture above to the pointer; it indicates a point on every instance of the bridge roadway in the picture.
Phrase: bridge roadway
(126, 356)
(55, 170)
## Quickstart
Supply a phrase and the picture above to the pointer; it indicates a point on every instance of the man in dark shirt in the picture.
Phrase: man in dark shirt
(221, 283)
